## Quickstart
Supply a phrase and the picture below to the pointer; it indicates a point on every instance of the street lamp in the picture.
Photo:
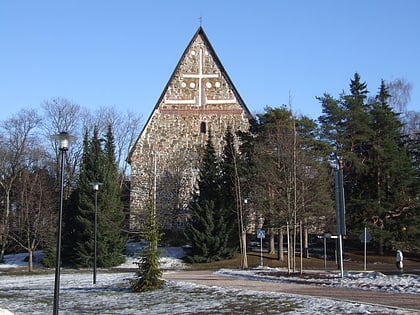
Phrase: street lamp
(95, 185)
(64, 138)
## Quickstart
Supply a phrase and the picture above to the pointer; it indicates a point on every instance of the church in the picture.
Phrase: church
(199, 98)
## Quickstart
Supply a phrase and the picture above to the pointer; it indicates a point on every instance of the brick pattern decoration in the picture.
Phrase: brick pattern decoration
(164, 161)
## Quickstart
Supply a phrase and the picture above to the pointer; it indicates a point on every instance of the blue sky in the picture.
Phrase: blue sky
(122, 53)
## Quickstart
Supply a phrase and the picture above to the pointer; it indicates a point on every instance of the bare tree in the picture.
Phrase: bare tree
(64, 115)
(35, 207)
(400, 91)
(293, 181)
(126, 128)
(276, 178)
(412, 124)
(241, 212)
(61, 115)
(17, 139)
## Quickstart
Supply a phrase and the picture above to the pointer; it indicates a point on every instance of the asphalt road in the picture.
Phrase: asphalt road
(209, 278)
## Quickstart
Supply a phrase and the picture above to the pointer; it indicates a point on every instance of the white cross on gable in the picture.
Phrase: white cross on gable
(200, 76)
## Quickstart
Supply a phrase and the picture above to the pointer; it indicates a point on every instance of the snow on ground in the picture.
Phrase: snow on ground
(33, 293)
(402, 283)
(170, 257)
(18, 260)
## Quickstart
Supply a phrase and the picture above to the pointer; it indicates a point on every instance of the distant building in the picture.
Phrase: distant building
(198, 97)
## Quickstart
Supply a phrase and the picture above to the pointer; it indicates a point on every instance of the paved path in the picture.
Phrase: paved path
(209, 278)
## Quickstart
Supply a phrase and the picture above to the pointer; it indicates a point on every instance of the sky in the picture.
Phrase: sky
(121, 54)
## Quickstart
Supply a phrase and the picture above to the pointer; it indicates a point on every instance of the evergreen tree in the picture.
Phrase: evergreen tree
(207, 230)
(71, 225)
(357, 135)
(292, 182)
(148, 273)
(209, 176)
(346, 125)
(79, 225)
(391, 173)
(111, 216)
(230, 192)
(314, 174)
(97, 164)
(379, 176)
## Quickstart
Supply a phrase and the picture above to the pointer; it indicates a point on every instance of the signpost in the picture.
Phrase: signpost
(365, 238)
(261, 235)
(340, 212)
(326, 236)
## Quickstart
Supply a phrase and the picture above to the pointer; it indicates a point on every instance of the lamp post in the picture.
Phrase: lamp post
(64, 138)
(95, 185)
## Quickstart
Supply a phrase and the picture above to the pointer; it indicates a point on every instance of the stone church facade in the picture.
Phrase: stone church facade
(199, 97)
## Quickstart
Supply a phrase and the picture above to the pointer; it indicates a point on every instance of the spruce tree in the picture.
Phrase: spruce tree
(148, 275)
(74, 234)
(83, 220)
(229, 192)
(207, 229)
(111, 216)
(98, 164)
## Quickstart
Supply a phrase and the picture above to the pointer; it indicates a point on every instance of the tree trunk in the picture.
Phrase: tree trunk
(244, 258)
(294, 243)
(301, 247)
(30, 261)
(289, 259)
(381, 246)
(272, 245)
(5, 226)
(280, 255)
(305, 241)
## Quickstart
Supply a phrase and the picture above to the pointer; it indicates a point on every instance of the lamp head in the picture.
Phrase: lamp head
(64, 139)
(95, 185)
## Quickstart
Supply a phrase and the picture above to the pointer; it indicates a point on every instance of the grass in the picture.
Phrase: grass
(353, 260)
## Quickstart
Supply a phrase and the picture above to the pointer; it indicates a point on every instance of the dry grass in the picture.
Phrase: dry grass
(352, 261)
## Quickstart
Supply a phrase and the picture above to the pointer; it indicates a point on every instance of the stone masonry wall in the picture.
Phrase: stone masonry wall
(166, 157)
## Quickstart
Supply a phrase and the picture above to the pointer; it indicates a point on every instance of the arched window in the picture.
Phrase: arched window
(203, 127)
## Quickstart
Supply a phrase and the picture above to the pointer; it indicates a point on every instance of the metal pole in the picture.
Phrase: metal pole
(340, 238)
(58, 249)
(95, 236)
(325, 253)
(364, 262)
(261, 251)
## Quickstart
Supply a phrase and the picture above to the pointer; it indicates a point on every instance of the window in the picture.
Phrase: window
(203, 127)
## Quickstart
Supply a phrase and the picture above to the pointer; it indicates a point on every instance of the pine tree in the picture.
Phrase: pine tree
(357, 135)
(380, 178)
(292, 180)
(346, 125)
(391, 172)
